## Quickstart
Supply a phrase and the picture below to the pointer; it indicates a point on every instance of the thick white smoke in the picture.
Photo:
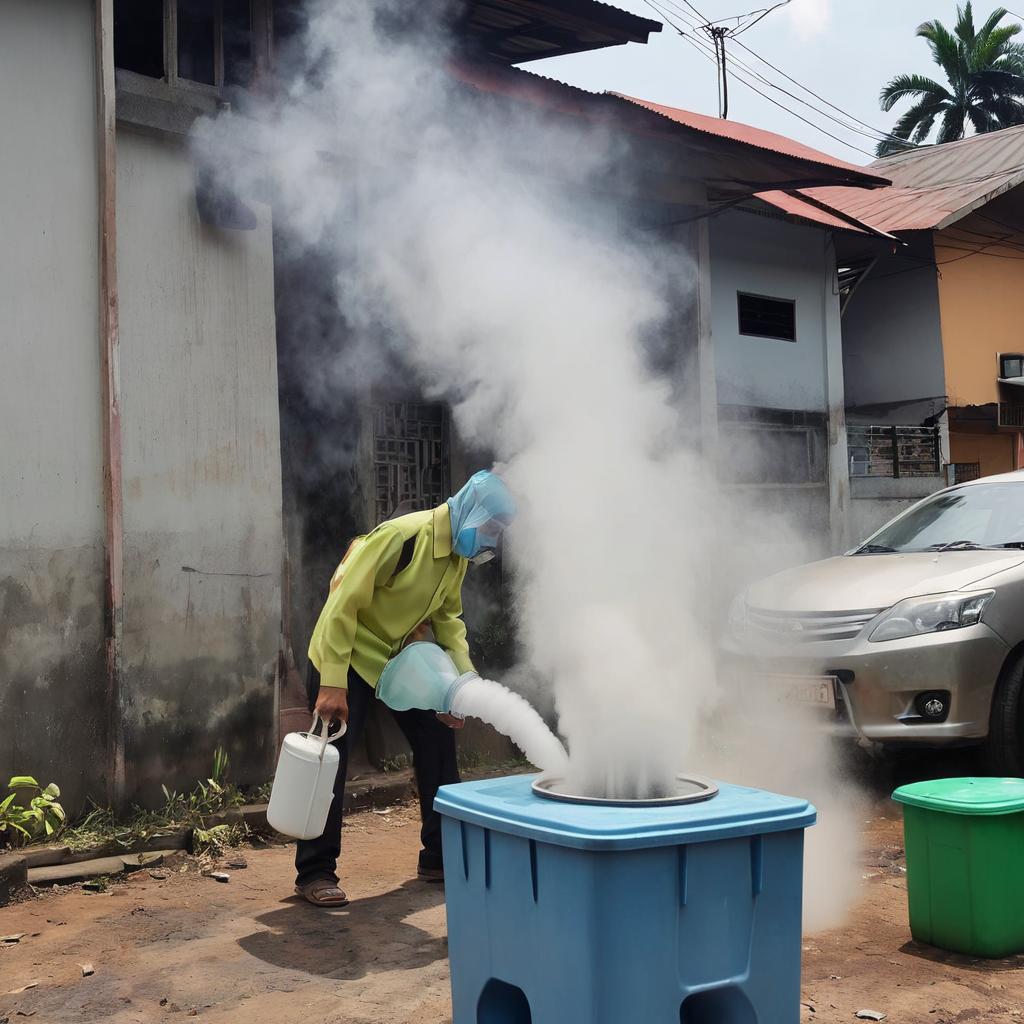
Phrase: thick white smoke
(493, 245)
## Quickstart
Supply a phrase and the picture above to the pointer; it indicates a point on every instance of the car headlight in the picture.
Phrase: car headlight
(737, 620)
(919, 615)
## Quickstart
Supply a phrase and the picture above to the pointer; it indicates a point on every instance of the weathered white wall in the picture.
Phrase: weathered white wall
(51, 517)
(765, 256)
(202, 476)
(776, 525)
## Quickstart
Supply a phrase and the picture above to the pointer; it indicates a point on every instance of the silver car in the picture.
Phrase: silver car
(915, 637)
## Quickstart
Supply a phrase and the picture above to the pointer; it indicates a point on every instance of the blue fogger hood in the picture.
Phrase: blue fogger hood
(422, 676)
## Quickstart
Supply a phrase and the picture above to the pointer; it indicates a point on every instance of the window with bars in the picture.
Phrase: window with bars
(893, 451)
(761, 316)
(209, 44)
(411, 457)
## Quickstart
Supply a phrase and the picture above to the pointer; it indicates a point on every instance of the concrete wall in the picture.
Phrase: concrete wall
(778, 524)
(876, 500)
(52, 677)
(892, 336)
(202, 477)
(765, 256)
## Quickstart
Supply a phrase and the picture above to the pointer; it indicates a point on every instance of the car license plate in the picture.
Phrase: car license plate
(809, 691)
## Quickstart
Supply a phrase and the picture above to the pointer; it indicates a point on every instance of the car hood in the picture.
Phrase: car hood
(863, 582)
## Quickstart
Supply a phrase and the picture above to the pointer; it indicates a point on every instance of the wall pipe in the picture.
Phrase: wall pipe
(113, 496)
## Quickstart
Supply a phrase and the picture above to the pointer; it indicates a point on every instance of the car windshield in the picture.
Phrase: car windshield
(962, 519)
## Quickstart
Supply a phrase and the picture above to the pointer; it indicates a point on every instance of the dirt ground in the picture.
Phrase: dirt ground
(249, 951)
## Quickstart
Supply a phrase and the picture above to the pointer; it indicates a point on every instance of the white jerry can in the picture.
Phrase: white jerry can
(304, 784)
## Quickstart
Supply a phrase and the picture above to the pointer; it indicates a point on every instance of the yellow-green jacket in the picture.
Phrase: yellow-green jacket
(371, 609)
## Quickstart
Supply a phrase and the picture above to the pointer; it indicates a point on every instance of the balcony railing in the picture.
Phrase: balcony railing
(961, 472)
(893, 451)
(1011, 414)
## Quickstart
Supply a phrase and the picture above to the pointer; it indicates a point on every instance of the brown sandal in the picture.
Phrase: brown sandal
(323, 893)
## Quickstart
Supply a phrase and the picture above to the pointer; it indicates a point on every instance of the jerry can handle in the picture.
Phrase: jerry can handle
(325, 735)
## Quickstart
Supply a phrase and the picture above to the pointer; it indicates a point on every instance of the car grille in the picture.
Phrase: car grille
(810, 627)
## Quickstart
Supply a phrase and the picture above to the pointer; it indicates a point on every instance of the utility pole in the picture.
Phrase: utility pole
(719, 34)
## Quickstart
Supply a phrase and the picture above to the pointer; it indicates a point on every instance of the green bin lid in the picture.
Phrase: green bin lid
(965, 796)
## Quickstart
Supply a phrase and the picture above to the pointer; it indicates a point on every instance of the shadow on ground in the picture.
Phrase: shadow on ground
(368, 936)
(958, 960)
(881, 774)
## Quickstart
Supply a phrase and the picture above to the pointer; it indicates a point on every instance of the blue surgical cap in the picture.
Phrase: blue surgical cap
(479, 512)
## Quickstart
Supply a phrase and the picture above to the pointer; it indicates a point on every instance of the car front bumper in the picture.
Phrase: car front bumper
(878, 682)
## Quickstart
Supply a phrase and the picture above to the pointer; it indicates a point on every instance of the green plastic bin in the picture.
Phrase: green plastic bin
(965, 864)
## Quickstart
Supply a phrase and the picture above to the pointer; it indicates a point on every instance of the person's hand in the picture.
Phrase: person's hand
(418, 635)
(452, 721)
(332, 704)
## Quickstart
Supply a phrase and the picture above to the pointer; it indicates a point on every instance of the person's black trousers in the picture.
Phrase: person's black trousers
(434, 764)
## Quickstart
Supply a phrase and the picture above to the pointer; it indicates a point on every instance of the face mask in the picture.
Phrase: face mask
(479, 514)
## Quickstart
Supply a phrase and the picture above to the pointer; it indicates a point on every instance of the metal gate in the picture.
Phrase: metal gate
(411, 457)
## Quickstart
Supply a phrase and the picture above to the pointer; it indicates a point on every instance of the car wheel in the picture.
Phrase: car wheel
(1004, 749)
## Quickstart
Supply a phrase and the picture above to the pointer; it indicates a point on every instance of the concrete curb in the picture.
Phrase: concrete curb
(379, 790)
(53, 864)
(13, 878)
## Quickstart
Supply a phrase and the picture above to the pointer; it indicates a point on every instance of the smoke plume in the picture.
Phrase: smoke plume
(500, 250)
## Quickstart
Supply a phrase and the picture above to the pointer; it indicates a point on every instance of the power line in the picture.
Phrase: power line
(703, 48)
(695, 11)
(874, 134)
(845, 113)
(761, 12)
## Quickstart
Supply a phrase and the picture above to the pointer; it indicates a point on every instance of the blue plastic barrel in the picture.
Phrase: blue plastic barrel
(562, 913)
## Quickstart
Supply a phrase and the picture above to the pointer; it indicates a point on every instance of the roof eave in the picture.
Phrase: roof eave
(977, 204)
(854, 222)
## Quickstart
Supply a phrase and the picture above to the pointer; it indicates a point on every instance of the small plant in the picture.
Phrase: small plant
(398, 763)
(216, 839)
(179, 810)
(261, 795)
(470, 760)
(43, 816)
(221, 764)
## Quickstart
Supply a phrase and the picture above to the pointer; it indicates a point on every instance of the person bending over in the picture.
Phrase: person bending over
(391, 583)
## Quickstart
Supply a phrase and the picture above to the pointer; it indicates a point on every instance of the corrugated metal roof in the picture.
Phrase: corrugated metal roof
(797, 207)
(743, 142)
(515, 31)
(751, 136)
(935, 186)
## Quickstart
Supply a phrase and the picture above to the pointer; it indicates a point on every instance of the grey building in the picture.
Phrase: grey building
(165, 527)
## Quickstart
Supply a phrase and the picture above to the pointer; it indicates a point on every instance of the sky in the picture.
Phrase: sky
(844, 50)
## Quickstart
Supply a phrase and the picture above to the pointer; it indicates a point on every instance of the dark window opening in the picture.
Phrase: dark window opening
(1011, 366)
(767, 455)
(139, 37)
(289, 21)
(197, 49)
(237, 30)
(764, 317)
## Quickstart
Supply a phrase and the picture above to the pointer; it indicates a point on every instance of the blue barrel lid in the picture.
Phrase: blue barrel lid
(509, 805)
(965, 796)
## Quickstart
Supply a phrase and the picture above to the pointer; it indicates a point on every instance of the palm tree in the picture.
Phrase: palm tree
(985, 82)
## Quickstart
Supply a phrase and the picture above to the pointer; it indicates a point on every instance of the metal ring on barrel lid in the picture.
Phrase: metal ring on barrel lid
(687, 789)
